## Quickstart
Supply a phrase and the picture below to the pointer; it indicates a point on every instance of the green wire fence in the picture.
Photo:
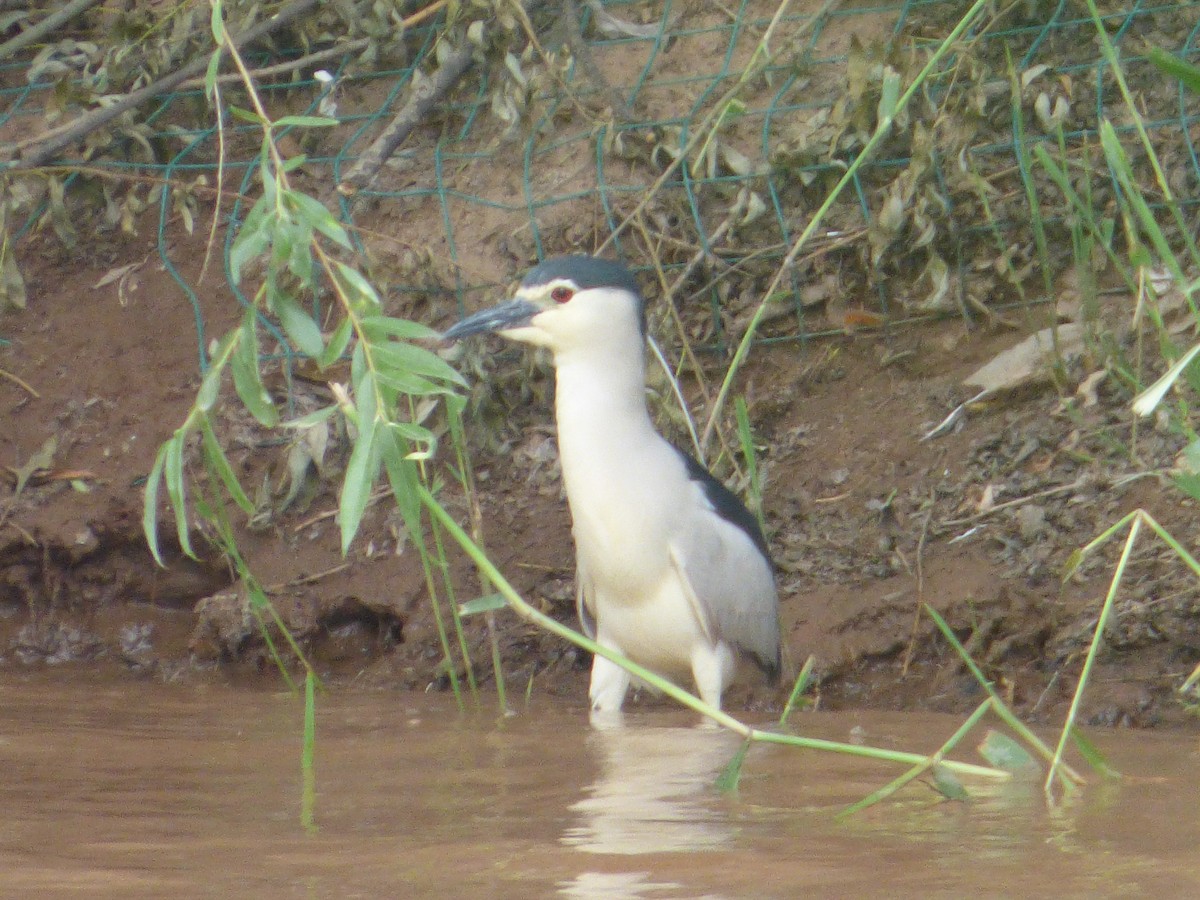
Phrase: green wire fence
(938, 223)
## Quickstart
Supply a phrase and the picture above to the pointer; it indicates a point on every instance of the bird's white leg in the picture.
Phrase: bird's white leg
(713, 667)
(610, 682)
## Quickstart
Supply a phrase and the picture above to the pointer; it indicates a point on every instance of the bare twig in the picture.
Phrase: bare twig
(425, 95)
(912, 635)
(29, 538)
(329, 514)
(304, 579)
(1037, 495)
(15, 380)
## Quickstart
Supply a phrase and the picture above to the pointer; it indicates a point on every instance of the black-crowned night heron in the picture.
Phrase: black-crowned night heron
(672, 570)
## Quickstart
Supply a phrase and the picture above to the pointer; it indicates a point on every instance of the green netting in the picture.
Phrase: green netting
(944, 200)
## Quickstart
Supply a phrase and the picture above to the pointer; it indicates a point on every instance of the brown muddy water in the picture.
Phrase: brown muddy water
(150, 791)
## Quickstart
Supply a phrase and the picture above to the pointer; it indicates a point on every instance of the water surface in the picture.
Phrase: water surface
(140, 790)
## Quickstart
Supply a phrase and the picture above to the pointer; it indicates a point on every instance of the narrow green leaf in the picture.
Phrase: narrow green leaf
(414, 360)
(217, 24)
(1118, 161)
(410, 431)
(299, 327)
(947, 784)
(285, 234)
(1091, 753)
(305, 122)
(380, 327)
(308, 774)
(313, 418)
(403, 478)
(317, 216)
(150, 504)
(252, 240)
(1004, 753)
(1187, 482)
(362, 467)
(247, 379)
(300, 263)
(798, 689)
(356, 489)
(888, 96)
(1072, 564)
(210, 387)
(727, 781)
(247, 115)
(338, 342)
(257, 597)
(1176, 68)
(412, 385)
(214, 66)
(173, 472)
(357, 286)
(220, 462)
(366, 403)
(486, 603)
(358, 364)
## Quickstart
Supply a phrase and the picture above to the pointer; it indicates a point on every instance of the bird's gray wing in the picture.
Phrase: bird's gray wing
(585, 601)
(723, 557)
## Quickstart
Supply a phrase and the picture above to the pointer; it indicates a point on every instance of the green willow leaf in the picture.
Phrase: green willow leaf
(247, 379)
(731, 775)
(313, 418)
(214, 66)
(412, 385)
(246, 115)
(1003, 752)
(416, 433)
(486, 603)
(360, 477)
(150, 504)
(404, 480)
(210, 387)
(305, 122)
(946, 783)
(1176, 67)
(173, 473)
(252, 240)
(316, 215)
(413, 360)
(338, 342)
(299, 326)
(380, 327)
(220, 462)
(361, 291)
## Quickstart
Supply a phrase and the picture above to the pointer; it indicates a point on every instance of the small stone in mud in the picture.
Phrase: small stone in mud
(136, 650)
(1031, 522)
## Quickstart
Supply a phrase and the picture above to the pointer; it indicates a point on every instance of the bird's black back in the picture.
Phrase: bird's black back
(726, 503)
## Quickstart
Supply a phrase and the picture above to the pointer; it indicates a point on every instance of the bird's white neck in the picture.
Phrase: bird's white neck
(600, 405)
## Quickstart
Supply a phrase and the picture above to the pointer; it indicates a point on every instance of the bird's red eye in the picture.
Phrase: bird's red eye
(561, 294)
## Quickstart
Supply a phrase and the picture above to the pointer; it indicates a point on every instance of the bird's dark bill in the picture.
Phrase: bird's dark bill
(513, 314)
